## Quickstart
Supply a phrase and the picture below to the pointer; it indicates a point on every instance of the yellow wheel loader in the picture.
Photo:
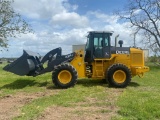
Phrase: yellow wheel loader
(99, 60)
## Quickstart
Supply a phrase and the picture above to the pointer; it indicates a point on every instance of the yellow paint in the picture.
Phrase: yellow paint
(137, 62)
(79, 64)
(119, 76)
(64, 76)
(134, 61)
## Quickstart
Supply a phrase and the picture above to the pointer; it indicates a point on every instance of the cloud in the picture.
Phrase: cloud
(57, 24)
(70, 19)
(106, 18)
(70, 7)
(39, 9)
(60, 13)
(44, 41)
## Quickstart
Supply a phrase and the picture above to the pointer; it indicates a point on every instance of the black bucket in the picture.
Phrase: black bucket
(24, 65)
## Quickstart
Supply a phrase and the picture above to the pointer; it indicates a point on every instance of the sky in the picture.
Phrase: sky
(63, 23)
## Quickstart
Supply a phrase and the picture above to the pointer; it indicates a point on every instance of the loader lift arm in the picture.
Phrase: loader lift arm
(54, 60)
(49, 56)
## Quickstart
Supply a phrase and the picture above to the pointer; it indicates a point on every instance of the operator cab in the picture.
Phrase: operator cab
(98, 45)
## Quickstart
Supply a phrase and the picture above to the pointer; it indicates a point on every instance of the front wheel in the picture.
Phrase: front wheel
(119, 75)
(64, 75)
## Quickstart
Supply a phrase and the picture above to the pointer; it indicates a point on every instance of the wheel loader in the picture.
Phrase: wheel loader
(114, 64)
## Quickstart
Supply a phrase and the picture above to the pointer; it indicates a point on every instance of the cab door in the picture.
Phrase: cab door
(106, 46)
(98, 45)
(101, 45)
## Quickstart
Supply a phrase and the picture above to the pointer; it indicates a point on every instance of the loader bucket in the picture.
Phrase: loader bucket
(24, 65)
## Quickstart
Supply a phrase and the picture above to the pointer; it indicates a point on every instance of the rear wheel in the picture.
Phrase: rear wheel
(64, 76)
(119, 75)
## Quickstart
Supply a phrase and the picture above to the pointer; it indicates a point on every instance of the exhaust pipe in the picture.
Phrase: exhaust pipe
(116, 40)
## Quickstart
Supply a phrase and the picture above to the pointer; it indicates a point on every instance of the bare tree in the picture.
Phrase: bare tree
(11, 23)
(144, 16)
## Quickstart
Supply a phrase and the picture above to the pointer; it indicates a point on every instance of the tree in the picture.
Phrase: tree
(144, 16)
(11, 23)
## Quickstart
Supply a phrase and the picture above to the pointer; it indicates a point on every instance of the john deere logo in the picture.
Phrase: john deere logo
(122, 52)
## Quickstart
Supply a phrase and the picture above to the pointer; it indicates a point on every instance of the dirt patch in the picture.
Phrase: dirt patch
(89, 110)
(78, 113)
(10, 105)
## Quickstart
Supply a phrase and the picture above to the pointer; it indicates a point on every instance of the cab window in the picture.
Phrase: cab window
(98, 40)
(106, 41)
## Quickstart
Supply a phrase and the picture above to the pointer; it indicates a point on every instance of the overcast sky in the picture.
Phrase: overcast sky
(63, 23)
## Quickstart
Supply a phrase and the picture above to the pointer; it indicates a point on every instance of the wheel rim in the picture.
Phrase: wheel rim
(119, 76)
(64, 76)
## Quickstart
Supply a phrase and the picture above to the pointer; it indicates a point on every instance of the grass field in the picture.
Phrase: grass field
(24, 98)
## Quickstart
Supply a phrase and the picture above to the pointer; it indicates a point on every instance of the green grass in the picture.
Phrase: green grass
(11, 83)
(139, 101)
(142, 102)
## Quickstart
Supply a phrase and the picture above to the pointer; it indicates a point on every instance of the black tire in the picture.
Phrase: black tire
(64, 76)
(118, 75)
